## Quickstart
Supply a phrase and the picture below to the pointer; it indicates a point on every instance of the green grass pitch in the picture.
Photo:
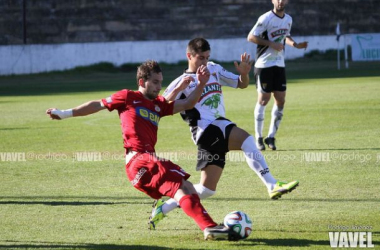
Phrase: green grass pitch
(53, 195)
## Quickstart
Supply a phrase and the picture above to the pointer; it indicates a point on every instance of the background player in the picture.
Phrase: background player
(140, 112)
(270, 33)
(211, 131)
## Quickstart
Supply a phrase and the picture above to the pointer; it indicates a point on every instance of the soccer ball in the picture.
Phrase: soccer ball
(239, 222)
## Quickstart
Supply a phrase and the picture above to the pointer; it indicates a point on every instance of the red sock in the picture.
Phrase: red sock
(192, 206)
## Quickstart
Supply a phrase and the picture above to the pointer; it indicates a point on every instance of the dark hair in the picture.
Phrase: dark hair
(198, 45)
(145, 70)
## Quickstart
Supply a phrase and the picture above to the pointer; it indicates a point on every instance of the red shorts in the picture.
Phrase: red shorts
(155, 177)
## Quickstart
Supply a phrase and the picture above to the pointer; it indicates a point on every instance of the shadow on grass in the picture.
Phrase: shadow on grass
(6, 129)
(293, 242)
(300, 200)
(53, 245)
(83, 201)
(66, 203)
(289, 242)
(72, 201)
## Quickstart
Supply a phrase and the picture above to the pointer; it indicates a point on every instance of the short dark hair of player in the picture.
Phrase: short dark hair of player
(198, 45)
(145, 70)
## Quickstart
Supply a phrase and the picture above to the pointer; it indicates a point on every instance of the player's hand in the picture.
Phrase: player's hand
(52, 113)
(185, 82)
(57, 114)
(245, 64)
(277, 46)
(302, 45)
(203, 74)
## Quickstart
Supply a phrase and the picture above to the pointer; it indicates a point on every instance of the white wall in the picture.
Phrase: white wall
(26, 59)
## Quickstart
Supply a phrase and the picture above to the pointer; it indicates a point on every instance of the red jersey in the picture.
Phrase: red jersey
(139, 118)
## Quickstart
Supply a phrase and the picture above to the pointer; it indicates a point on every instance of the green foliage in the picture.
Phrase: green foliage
(328, 55)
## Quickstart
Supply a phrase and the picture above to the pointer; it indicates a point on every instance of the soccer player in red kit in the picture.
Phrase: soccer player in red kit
(140, 112)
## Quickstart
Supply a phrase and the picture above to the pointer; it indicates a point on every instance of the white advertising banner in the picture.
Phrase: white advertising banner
(365, 47)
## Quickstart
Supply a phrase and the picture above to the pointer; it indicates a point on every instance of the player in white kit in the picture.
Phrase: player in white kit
(214, 134)
(271, 32)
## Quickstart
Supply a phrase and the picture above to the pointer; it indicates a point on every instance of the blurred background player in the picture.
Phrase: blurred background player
(211, 131)
(270, 33)
(140, 112)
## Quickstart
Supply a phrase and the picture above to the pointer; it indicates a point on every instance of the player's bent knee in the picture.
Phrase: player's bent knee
(264, 102)
(187, 187)
(203, 191)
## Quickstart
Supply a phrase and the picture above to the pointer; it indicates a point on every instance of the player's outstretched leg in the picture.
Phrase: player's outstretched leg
(192, 206)
(220, 232)
(282, 188)
(157, 214)
(161, 209)
(257, 163)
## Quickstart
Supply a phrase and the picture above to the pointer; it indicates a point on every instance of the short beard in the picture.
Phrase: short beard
(151, 96)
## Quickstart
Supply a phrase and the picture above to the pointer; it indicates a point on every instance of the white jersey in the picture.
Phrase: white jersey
(271, 27)
(210, 105)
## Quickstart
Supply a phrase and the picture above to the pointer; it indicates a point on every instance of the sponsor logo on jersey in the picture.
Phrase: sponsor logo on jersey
(211, 89)
(279, 32)
(213, 103)
(148, 115)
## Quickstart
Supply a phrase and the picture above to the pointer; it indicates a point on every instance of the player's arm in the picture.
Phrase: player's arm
(178, 88)
(87, 108)
(243, 68)
(261, 41)
(289, 41)
(203, 76)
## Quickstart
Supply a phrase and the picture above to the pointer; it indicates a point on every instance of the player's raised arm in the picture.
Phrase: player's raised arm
(244, 68)
(87, 108)
(203, 75)
(170, 96)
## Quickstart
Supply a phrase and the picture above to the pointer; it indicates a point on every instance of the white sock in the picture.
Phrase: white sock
(259, 119)
(257, 162)
(169, 205)
(277, 114)
(202, 191)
